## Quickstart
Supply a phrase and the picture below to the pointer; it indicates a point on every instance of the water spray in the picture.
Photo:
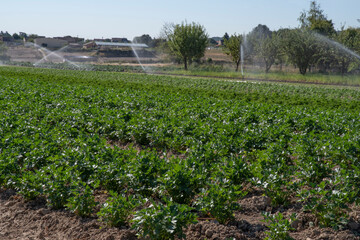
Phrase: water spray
(242, 55)
(47, 53)
(137, 57)
(337, 45)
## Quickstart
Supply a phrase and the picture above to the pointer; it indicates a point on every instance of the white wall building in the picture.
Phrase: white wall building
(50, 42)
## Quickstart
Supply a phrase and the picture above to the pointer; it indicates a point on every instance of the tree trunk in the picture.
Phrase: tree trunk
(302, 70)
(185, 64)
(268, 65)
(343, 67)
(267, 68)
(237, 66)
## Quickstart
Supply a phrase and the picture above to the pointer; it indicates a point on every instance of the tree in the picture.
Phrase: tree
(233, 48)
(269, 50)
(23, 35)
(212, 42)
(260, 32)
(281, 36)
(16, 36)
(263, 44)
(350, 40)
(315, 20)
(145, 38)
(225, 37)
(255, 38)
(301, 46)
(5, 34)
(186, 41)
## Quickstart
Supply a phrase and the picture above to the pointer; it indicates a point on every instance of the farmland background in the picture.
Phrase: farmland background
(131, 149)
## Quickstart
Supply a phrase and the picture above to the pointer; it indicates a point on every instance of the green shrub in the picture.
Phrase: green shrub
(219, 202)
(279, 226)
(182, 183)
(57, 185)
(160, 221)
(329, 203)
(29, 185)
(143, 173)
(82, 200)
(117, 209)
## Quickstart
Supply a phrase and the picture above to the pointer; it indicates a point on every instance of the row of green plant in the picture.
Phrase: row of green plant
(203, 141)
(210, 70)
(313, 96)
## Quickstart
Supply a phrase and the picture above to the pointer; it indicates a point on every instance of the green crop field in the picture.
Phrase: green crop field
(171, 150)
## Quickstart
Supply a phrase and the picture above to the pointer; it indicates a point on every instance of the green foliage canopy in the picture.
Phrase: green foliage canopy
(315, 20)
(302, 48)
(233, 48)
(187, 41)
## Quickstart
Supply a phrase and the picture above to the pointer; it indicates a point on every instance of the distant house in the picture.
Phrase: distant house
(50, 42)
(120, 40)
(120, 45)
(71, 39)
(89, 45)
(107, 45)
(6, 39)
(75, 45)
(102, 40)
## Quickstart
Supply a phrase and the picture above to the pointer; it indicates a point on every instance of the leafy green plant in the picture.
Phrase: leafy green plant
(57, 127)
(329, 203)
(219, 202)
(159, 221)
(29, 186)
(236, 170)
(58, 185)
(182, 183)
(279, 188)
(271, 173)
(82, 200)
(117, 209)
(279, 227)
(143, 173)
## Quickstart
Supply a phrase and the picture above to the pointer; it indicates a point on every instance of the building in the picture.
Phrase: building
(50, 42)
(6, 39)
(89, 45)
(75, 45)
(105, 45)
(120, 45)
(71, 39)
(102, 40)
(120, 40)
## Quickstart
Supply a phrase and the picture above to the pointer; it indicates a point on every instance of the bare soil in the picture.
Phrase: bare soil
(217, 55)
(33, 220)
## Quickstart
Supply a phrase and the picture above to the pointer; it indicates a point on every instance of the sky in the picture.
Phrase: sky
(125, 18)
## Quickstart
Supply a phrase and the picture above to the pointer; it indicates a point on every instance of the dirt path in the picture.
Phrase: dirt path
(33, 220)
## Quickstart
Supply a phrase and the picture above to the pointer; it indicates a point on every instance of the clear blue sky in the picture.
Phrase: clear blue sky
(126, 18)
